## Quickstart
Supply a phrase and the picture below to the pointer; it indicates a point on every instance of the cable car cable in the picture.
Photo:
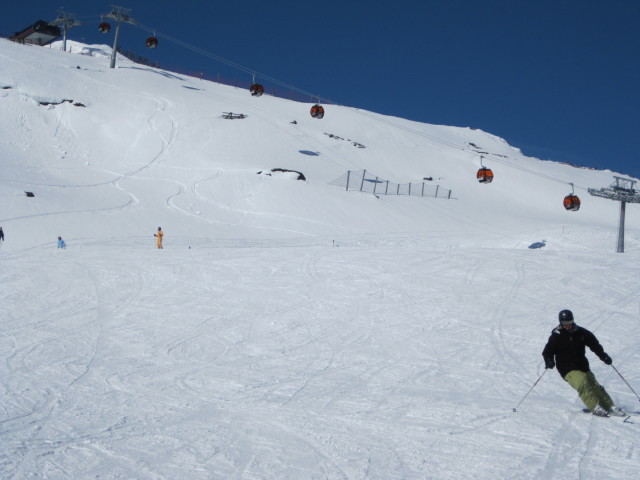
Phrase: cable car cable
(253, 72)
(229, 63)
(459, 147)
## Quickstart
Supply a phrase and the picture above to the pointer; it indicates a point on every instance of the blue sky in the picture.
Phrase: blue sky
(559, 79)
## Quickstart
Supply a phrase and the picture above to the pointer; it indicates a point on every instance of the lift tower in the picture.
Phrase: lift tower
(623, 191)
(119, 14)
(66, 21)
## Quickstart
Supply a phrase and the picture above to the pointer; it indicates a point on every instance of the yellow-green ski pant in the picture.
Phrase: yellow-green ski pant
(590, 391)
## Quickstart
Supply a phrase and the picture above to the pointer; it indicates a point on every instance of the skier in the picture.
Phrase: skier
(1, 235)
(566, 348)
(158, 237)
(61, 243)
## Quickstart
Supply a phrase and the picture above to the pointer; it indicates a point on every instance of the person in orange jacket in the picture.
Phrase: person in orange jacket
(158, 237)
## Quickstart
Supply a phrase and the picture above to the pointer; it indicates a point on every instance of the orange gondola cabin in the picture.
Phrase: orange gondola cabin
(485, 175)
(104, 27)
(572, 202)
(256, 90)
(152, 42)
(317, 111)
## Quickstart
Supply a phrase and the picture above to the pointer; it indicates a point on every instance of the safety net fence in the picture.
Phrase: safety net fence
(363, 181)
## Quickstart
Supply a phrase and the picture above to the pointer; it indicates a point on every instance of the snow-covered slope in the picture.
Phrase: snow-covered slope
(289, 329)
(127, 129)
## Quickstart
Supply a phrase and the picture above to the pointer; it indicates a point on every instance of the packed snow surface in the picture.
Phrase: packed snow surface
(291, 329)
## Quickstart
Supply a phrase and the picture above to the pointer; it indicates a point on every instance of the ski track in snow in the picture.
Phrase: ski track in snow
(138, 378)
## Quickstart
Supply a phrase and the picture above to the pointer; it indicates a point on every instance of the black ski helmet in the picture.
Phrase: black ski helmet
(565, 317)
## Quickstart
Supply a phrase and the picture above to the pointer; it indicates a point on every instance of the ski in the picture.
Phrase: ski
(625, 418)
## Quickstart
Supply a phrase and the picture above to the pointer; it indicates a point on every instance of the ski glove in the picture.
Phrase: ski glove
(549, 363)
(607, 359)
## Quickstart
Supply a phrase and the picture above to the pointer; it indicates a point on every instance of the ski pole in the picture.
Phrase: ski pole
(527, 394)
(625, 381)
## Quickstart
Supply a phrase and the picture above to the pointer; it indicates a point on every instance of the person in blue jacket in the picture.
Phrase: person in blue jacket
(61, 243)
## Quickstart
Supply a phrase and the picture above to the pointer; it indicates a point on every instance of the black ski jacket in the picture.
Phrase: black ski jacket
(568, 349)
